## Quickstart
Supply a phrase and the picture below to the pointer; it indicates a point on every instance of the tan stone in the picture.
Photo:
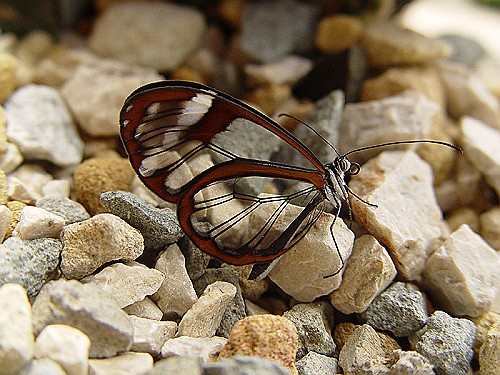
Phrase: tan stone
(490, 227)
(124, 363)
(483, 324)
(268, 98)
(337, 33)
(8, 64)
(463, 216)
(489, 355)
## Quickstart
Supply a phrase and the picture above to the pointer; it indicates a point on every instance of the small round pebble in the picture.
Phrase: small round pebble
(35, 222)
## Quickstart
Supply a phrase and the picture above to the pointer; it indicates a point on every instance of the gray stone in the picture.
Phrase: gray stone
(466, 51)
(41, 126)
(236, 309)
(196, 260)
(28, 263)
(399, 309)
(245, 365)
(71, 211)
(87, 308)
(159, 227)
(447, 343)
(178, 366)
(272, 30)
(314, 322)
(316, 364)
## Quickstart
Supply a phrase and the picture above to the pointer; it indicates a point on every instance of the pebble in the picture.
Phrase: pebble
(16, 329)
(468, 259)
(11, 158)
(235, 310)
(87, 245)
(8, 82)
(410, 363)
(204, 317)
(245, 365)
(124, 363)
(408, 115)
(98, 175)
(15, 208)
(447, 343)
(287, 70)
(483, 325)
(150, 335)
(162, 37)
(370, 259)
(387, 44)
(338, 32)
(407, 219)
(178, 366)
(480, 143)
(316, 364)
(399, 309)
(29, 263)
(35, 222)
(42, 366)
(127, 283)
(300, 272)
(5, 221)
(71, 211)
(26, 183)
(467, 96)
(270, 31)
(490, 227)
(489, 354)
(314, 322)
(95, 92)
(463, 216)
(206, 349)
(145, 308)
(88, 309)
(41, 126)
(267, 336)
(67, 346)
(176, 295)
(159, 227)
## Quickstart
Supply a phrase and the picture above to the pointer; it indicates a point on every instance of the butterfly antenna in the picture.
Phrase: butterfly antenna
(310, 128)
(452, 146)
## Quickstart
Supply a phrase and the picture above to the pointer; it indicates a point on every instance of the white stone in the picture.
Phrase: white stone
(368, 271)
(150, 335)
(204, 348)
(161, 38)
(127, 283)
(405, 116)
(11, 158)
(65, 345)
(16, 329)
(301, 271)
(57, 189)
(467, 96)
(26, 183)
(144, 309)
(480, 143)
(407, 219)
(285, 71)
(35, 222)
(5, 221)
(126, 363)
(95, 94)
(462, 274)
(176, 295)
(40, 124)
(204, 317)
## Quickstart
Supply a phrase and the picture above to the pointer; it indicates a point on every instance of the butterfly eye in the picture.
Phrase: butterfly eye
(354, 169)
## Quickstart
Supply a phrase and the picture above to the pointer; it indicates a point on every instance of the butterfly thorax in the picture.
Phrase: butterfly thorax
(335, 186)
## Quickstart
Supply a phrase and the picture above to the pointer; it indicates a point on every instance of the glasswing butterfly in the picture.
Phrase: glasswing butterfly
(172, 129)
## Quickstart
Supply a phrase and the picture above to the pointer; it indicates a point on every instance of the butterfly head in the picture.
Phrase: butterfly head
(342, 166)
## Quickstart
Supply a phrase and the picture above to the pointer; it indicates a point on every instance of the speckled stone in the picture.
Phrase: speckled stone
(247, 365)
(29, 263)
(267, 336)
(316, 364)
(489, 355)
(178, 366)
(71, 211)
(159, 227)
(410, 363)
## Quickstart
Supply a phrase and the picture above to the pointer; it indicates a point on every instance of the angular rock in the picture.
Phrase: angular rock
(159, 227)
(206, 349)
(176, 295)
(5, 221)
(125, 363)
(162, 37)
(370, 259)
(266, 336)
(407, 219)
(65, 345)
(88, 309)
(145, 308)
(26, 183)
(483, 325)
(150, 335)
(127, 283)
(42, 366)
(480, 143)
(178, 366)
(447, 343)
(204, 317)
(41, 126)
(69, 210)
(285, 71)
(473, 266)
(314, 322)
(28, 263)
(89, 244)
(36, 222)
(316, 364)
(247, 365)
(489, 354)
(11, 158)
(16, 329)
(410, 363)
(399, 309)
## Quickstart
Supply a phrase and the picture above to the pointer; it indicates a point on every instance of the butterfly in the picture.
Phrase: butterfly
(183, 140)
